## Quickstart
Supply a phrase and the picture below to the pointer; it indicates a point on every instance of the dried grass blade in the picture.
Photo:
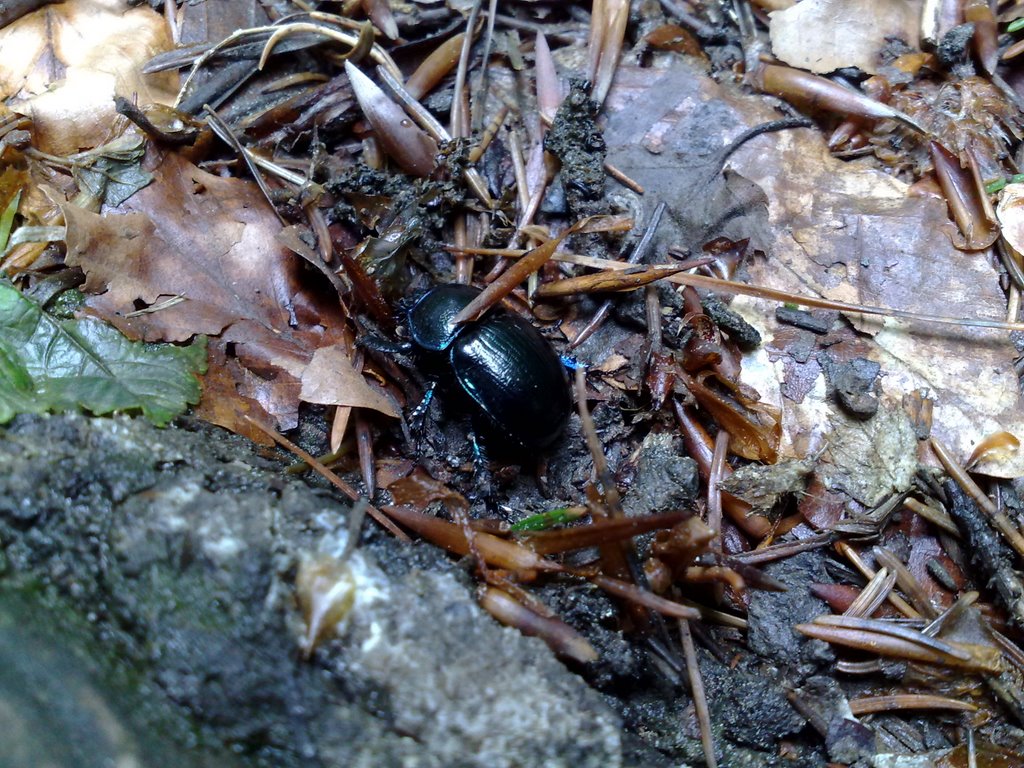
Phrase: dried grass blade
(358, 51)
(939, 517)
(457, 116)
(907, 582)
(713, 616)
(495, 551)
(998, 518)
(715, 476)
(898, 602)
(785, 549)
(968, 202)
(886, 645)
(601, 531)
(611, 280)
(980, 657)
(514, 275)
(376, 53)
(598, 23)
(700, 701)
(951, 614)
(873, 595)
(223, 131)
(895, 630)
(867, 705)
(644, 597)
(559, 636)
(611, 31)
(772, 294)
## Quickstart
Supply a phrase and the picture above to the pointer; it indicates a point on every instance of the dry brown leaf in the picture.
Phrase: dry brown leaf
(222, 403)
(826, 35)
(330, 379)
(189, 233)
(834, 229)
(211, 240)
(1010, 213)
(849, 233)
(12, 182)
(869, 460)
(65, 63)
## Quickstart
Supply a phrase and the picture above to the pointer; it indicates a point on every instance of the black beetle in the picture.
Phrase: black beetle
(507, 368)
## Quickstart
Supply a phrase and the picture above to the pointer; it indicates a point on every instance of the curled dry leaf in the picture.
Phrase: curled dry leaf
(330, 379)
(223, 404)
(101, 46)
(1000, 442)
(207, 238)
(754, 427)
(419, 490)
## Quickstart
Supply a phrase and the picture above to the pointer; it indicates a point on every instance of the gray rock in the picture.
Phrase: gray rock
(773, 615)
(666, 478)
(63, 703)
(182, 548)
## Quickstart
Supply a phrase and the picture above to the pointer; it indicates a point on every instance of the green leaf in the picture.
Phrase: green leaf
(994, 186)
(545, 520)
(1015, 25)
(48, 364)
(7, 220)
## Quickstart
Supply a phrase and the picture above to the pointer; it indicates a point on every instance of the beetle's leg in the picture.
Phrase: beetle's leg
(542, 477)
(383, 344)
(417, 417)
(483, 482)
(571, 363)
(417, 414)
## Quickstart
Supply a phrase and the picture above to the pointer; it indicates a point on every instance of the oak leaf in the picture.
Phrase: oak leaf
(195, 253)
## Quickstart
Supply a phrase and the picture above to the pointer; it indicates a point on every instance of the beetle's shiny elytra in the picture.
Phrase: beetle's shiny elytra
(502, 362)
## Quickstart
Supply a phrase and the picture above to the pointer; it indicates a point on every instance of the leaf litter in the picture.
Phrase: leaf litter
(97, 50)
(802, 442)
